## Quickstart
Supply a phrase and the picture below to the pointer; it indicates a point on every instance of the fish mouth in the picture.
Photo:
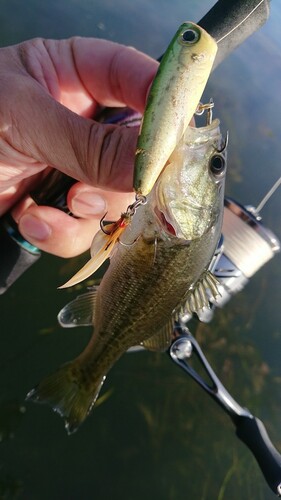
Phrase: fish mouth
(166, 225)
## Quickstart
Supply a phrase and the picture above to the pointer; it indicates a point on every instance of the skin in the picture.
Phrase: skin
(49, 91)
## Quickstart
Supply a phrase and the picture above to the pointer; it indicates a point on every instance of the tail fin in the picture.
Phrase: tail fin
(67, 393)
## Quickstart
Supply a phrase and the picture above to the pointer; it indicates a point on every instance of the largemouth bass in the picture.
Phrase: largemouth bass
(173, 98)
(159, 267)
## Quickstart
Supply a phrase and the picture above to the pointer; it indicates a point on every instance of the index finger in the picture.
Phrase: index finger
(112, 74)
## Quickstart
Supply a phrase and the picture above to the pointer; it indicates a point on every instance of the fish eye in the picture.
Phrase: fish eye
(190, 36)
(217, 165)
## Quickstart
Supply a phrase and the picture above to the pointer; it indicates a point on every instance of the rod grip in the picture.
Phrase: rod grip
(16, 254)
(230, 22)
(253, 433)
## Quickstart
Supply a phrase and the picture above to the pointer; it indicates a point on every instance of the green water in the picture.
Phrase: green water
(157, 436)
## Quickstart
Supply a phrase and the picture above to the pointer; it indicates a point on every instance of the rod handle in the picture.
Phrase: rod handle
(254, 435)
(230, 22)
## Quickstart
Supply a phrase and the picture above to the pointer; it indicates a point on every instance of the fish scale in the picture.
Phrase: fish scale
(131, 317)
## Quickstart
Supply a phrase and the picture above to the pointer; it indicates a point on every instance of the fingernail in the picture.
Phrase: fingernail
(34, 228)
(88, 203)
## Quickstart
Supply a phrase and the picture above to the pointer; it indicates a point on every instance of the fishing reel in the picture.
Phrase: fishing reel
(244, 247)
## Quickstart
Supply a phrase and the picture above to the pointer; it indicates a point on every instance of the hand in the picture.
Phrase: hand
(49, 91)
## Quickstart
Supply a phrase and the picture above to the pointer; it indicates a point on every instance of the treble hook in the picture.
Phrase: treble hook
(225, 144)
(201, 108)
(130, 212)
(102, 226)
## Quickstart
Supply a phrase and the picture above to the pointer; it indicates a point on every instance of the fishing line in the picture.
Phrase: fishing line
(268, 195)
(241, 22)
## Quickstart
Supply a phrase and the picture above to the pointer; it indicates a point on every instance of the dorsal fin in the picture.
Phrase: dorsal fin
(80, 311)
(161, 340)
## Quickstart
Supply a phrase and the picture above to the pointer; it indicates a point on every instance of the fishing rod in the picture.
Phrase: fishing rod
(230, 23)
(249, 429)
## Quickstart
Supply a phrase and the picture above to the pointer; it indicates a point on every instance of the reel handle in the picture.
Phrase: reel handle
(254, 435)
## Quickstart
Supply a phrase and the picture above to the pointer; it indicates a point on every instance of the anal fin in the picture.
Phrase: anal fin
(161, 340)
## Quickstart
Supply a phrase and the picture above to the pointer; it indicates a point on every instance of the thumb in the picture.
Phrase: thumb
(98, 154)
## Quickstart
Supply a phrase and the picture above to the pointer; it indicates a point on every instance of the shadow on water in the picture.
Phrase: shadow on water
(156, 434)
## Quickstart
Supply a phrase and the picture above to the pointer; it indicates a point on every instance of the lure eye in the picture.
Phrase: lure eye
(190, 36)
(217, 165)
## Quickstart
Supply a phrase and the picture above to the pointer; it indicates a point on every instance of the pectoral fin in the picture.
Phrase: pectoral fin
(80, 311)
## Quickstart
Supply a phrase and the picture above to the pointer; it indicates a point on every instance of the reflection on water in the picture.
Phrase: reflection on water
(156, 433)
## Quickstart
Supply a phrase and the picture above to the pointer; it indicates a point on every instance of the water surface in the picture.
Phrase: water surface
(157, 435)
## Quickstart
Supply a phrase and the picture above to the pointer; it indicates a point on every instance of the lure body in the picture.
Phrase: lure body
(173, 99)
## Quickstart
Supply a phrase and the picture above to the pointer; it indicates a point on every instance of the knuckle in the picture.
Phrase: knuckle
(110, 153)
